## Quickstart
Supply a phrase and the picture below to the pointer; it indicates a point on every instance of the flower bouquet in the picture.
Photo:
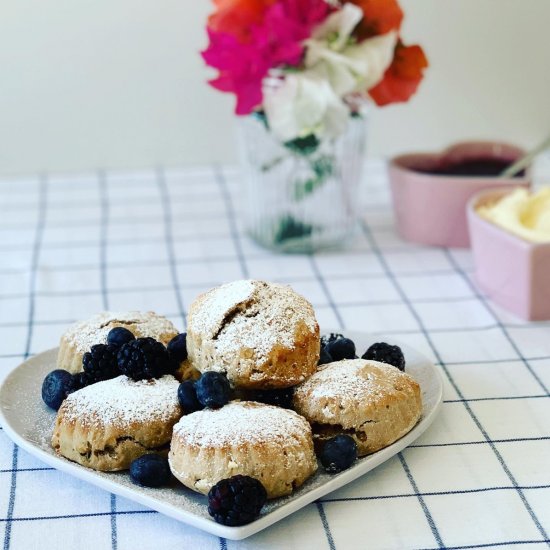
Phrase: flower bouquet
(306, 70)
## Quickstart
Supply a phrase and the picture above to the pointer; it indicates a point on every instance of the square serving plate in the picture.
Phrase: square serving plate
(29, 423)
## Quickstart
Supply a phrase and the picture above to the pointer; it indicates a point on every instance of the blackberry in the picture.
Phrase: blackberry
(187, 397)
(213, 390)
(343, 348)
(56, 386)
(177, 347)
(150, 470)
(330, 338)
(119, 336)
(237, 500)
(100, 363)
(144, 358)
(324, 357)
(338, 453)
(278, 398)
(386, 353)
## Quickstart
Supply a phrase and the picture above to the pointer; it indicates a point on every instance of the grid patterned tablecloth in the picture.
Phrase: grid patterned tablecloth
(479, 477)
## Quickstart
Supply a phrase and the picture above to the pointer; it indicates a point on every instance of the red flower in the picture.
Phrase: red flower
(380, 17)
(237, 17)
(402, 77)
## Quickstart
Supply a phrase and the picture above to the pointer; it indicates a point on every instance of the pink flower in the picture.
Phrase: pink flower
(275, 41)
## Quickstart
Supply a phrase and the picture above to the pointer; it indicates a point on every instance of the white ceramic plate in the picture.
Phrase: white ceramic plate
(29, 423)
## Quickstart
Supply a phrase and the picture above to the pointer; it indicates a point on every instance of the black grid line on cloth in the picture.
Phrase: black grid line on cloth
(165, 200)
(230, 211)
(39, 232)
(334, 307)
(434, 493)
(499, 323)
(326, 526)
(494, 544)
(103, 239)
(79, 516)
(455, 386)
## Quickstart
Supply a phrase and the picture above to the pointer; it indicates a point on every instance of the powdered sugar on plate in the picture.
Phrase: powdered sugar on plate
(123, 402)
(240, 422)
(84, 334)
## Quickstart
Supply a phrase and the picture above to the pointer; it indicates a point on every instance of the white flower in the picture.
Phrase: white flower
(312, 101)
(304, 103)
(348, 66)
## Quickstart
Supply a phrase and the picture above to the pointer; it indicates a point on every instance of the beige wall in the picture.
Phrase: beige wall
(119, 83)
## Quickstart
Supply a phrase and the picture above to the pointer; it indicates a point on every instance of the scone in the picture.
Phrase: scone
(262, 335)
(374, 403)
(268, 443)
(81, 336)
(107, 425)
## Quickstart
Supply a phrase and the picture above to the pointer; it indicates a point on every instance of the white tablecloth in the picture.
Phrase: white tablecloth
(71, 246)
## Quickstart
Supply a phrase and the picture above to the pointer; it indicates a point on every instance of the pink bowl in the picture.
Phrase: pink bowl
(431, 208)
(512, 271)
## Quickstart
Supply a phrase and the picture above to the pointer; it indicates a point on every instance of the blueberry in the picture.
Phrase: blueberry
(119, 336)
(56, 386)
(187, 396)
(325, 357)
(213, 390)
(277, 398)
(343, 348)
(150, 470)
(177, 347)
(338, 454)
(327, 339)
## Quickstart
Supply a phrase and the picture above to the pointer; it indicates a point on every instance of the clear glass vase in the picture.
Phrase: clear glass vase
(302, 195)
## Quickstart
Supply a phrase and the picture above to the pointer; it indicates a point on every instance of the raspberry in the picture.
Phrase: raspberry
(100, 363)
(144, 358)
(237, 500)
(385, 353)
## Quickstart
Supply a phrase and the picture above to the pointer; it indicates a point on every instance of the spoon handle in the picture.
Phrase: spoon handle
(525, 160)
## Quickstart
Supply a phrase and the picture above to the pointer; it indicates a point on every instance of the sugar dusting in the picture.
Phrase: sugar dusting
(251, 315)
(355, 380)
(240, 422)
(122, 402)
(84, 334)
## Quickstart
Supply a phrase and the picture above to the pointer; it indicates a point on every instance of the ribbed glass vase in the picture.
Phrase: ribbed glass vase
(302, 196)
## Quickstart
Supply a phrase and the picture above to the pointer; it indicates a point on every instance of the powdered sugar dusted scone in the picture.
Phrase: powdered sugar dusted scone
(107, 425)
(268, 443)
(262, 335)
(81, 336)
(373, 402)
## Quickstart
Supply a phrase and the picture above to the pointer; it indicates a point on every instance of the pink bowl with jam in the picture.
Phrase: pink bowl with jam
(431, 191)
(513, 272)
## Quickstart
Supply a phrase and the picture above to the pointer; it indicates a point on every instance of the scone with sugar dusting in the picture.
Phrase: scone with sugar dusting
(270, 444)
(106, 425)
(81, 336)
(262, 335)
(373, 402)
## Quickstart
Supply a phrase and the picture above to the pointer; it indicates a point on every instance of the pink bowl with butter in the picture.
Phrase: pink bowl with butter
(513, 272)
(430, 203)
